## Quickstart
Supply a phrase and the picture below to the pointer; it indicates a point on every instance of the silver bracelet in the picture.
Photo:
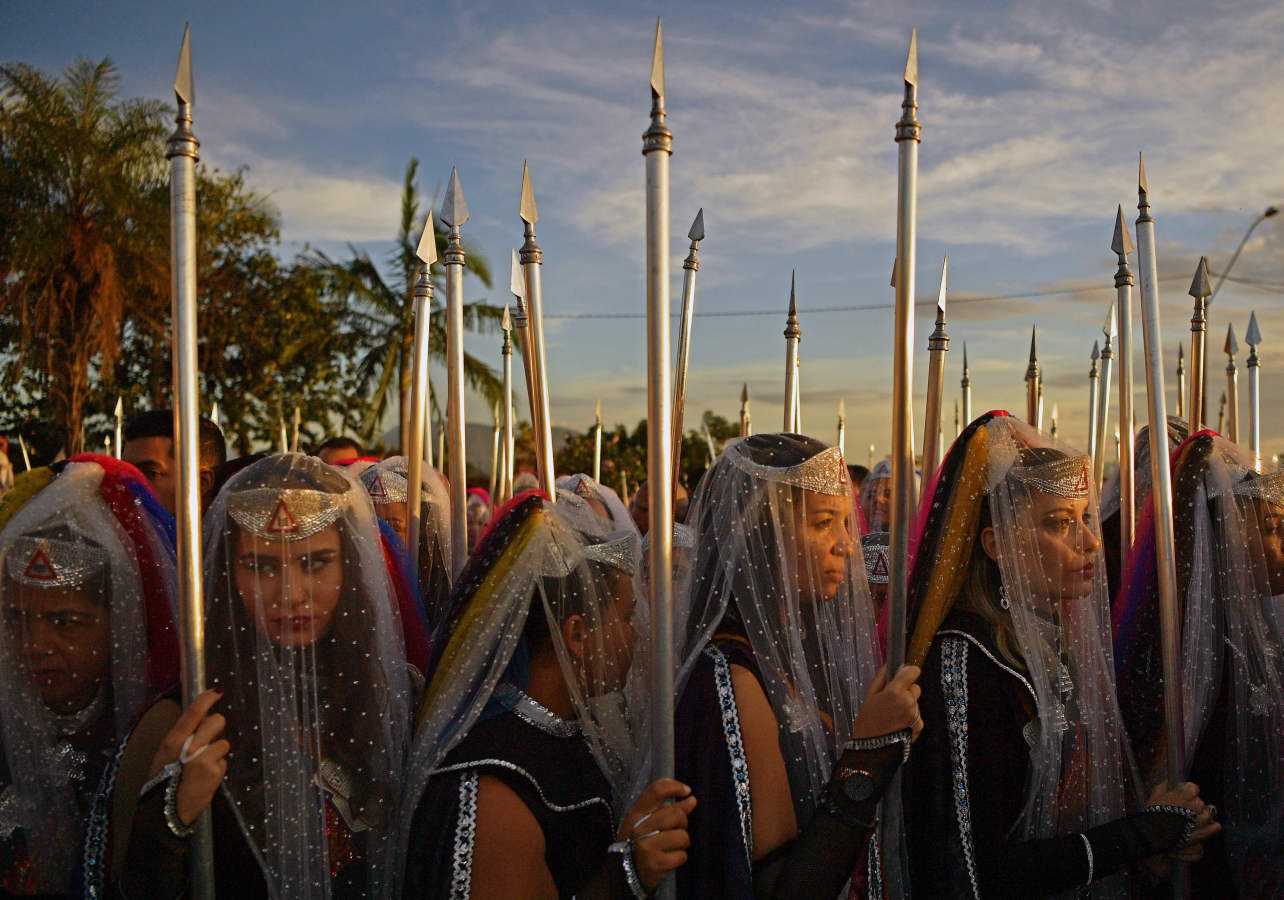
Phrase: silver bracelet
(1191, 819)
(166, 772)
(625, 850)
(1087, 849)
(176, 826)
(904, 737)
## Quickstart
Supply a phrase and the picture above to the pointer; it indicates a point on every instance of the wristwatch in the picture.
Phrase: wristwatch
(857, 784)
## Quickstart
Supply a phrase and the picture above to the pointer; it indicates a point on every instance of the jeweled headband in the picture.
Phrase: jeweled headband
(385, 485)
(1268, 487)
(54, 563)
(875, 548)
(1066, 477)
(824, 473)
(618, 550)
(285, 514)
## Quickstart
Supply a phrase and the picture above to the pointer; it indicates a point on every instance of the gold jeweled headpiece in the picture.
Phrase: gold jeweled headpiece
(1065, 477)
(53, 562)
(824, 473)
(875, 548)
(385, 485)
(285, 514)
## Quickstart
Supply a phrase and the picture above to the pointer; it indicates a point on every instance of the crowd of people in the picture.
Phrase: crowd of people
(378, 725)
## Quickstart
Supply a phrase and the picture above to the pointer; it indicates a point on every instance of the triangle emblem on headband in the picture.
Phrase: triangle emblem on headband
(377, 489)
(1081, 486)
(583, 489)
(40, 567)
(282, 520)
(880, 569)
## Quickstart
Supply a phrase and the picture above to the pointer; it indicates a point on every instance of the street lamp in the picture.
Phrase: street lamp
(1266, 214)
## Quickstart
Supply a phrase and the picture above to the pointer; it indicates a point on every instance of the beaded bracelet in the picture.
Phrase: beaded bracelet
(176, 826)
(625, 850)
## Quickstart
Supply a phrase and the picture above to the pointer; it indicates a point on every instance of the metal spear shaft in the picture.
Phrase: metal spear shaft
(1181, 383)
(908, 135)
(506, 482)
(1232, 386)
(183, 151)
(494, 456)
(690, 266)
(1161, 479)
(1103, 398)
(532, 259)
(454, 213)
(1198, 350)
(1032, 383)
(1094, 385)
(294, 434)
(416, 432)
(938, 344)
(793, 334)
(1122, 246)
(841, 443)
(657, 147)
(120, 415)
(966, 384)
(744, 410)
(597, 443)
(1253, 338)
(26, 457)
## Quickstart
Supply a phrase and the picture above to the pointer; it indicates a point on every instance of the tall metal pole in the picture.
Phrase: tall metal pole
(517, 286)
(657, 147)
(966, 384)
(119, 413)
(958, 428)
(1200, 290)
(841, 443)
(1161, 481)
(1232, 386)
(1053, 430)
(1103, 397)
(454, 213)
(1038, 408)
(1094, 385)
(793, 334)
(797, 429)
(214, 417)
(1221, 414)
(690, 266)
(597, 443)
(1181, 382)
(532, 258)
(494, 453)
(1121, 244)
(506, 491)
(416, 433)
(1032, 383)
(1253, 338)
(708, 440)
(938, 344)
(908, 135)
(26, 457)
(744, 410)
(182, 151)
(282, 437)
(294, 433)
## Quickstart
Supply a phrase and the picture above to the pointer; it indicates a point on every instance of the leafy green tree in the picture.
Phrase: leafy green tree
(383, 309)
(76, 245)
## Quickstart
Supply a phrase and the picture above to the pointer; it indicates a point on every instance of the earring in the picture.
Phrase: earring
(1004, 602)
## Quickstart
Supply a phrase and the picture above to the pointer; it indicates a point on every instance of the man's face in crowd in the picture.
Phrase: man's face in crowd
(334, 455)
(154, 457)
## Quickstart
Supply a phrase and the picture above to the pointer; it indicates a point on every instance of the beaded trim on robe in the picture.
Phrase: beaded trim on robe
(536, 714)
(735, 745)
(461, 877)
(954, 688)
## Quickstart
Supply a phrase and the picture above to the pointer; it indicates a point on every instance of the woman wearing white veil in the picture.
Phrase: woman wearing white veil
(526, 766)
(1021, 786)
(299, 762)
(780, 648)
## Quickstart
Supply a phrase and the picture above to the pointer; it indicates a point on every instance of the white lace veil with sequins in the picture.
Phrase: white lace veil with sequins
(1177, 432)
(303, 636)
(66, 537)
(1043, 508)
(538, 556)
(807, 616)
(584, 486)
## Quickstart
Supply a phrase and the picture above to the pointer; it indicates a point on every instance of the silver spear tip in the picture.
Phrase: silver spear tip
(744, 392)
(965, 356)
(1254, 336)
(1096, 351)
(528, 212)
(793, 295)
(516, 282)
(657, 64)
(427, 249)
(1109, 327)
(1142, 188)
(940, 297)
(1034, 349)
(1232, 345)
(507, 324)
(454, 210)
(1122, 241)
(120, 407)
(1199, 288)
(696, 234)
(892, 282)
(911, 59)
(183, 76)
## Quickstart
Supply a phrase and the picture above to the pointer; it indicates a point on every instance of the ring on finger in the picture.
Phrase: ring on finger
(184, 756)
(640, 838)
(638, 823)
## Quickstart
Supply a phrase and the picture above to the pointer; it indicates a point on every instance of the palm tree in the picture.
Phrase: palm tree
(79, 177)
(383, 309)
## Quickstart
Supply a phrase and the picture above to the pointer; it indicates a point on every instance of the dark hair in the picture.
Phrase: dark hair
(566, 594)
(340, 443)
(160, 423)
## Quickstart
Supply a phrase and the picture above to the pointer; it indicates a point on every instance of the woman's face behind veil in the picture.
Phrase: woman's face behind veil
(291, 588)
(1269, 533)
(824, 546)
(605, 647)
(396, 516)
(1066, 540)
(64, 636)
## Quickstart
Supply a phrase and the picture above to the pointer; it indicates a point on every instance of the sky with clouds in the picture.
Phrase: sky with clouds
(1033, 115)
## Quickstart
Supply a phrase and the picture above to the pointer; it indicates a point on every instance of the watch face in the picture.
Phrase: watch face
(858, 786)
